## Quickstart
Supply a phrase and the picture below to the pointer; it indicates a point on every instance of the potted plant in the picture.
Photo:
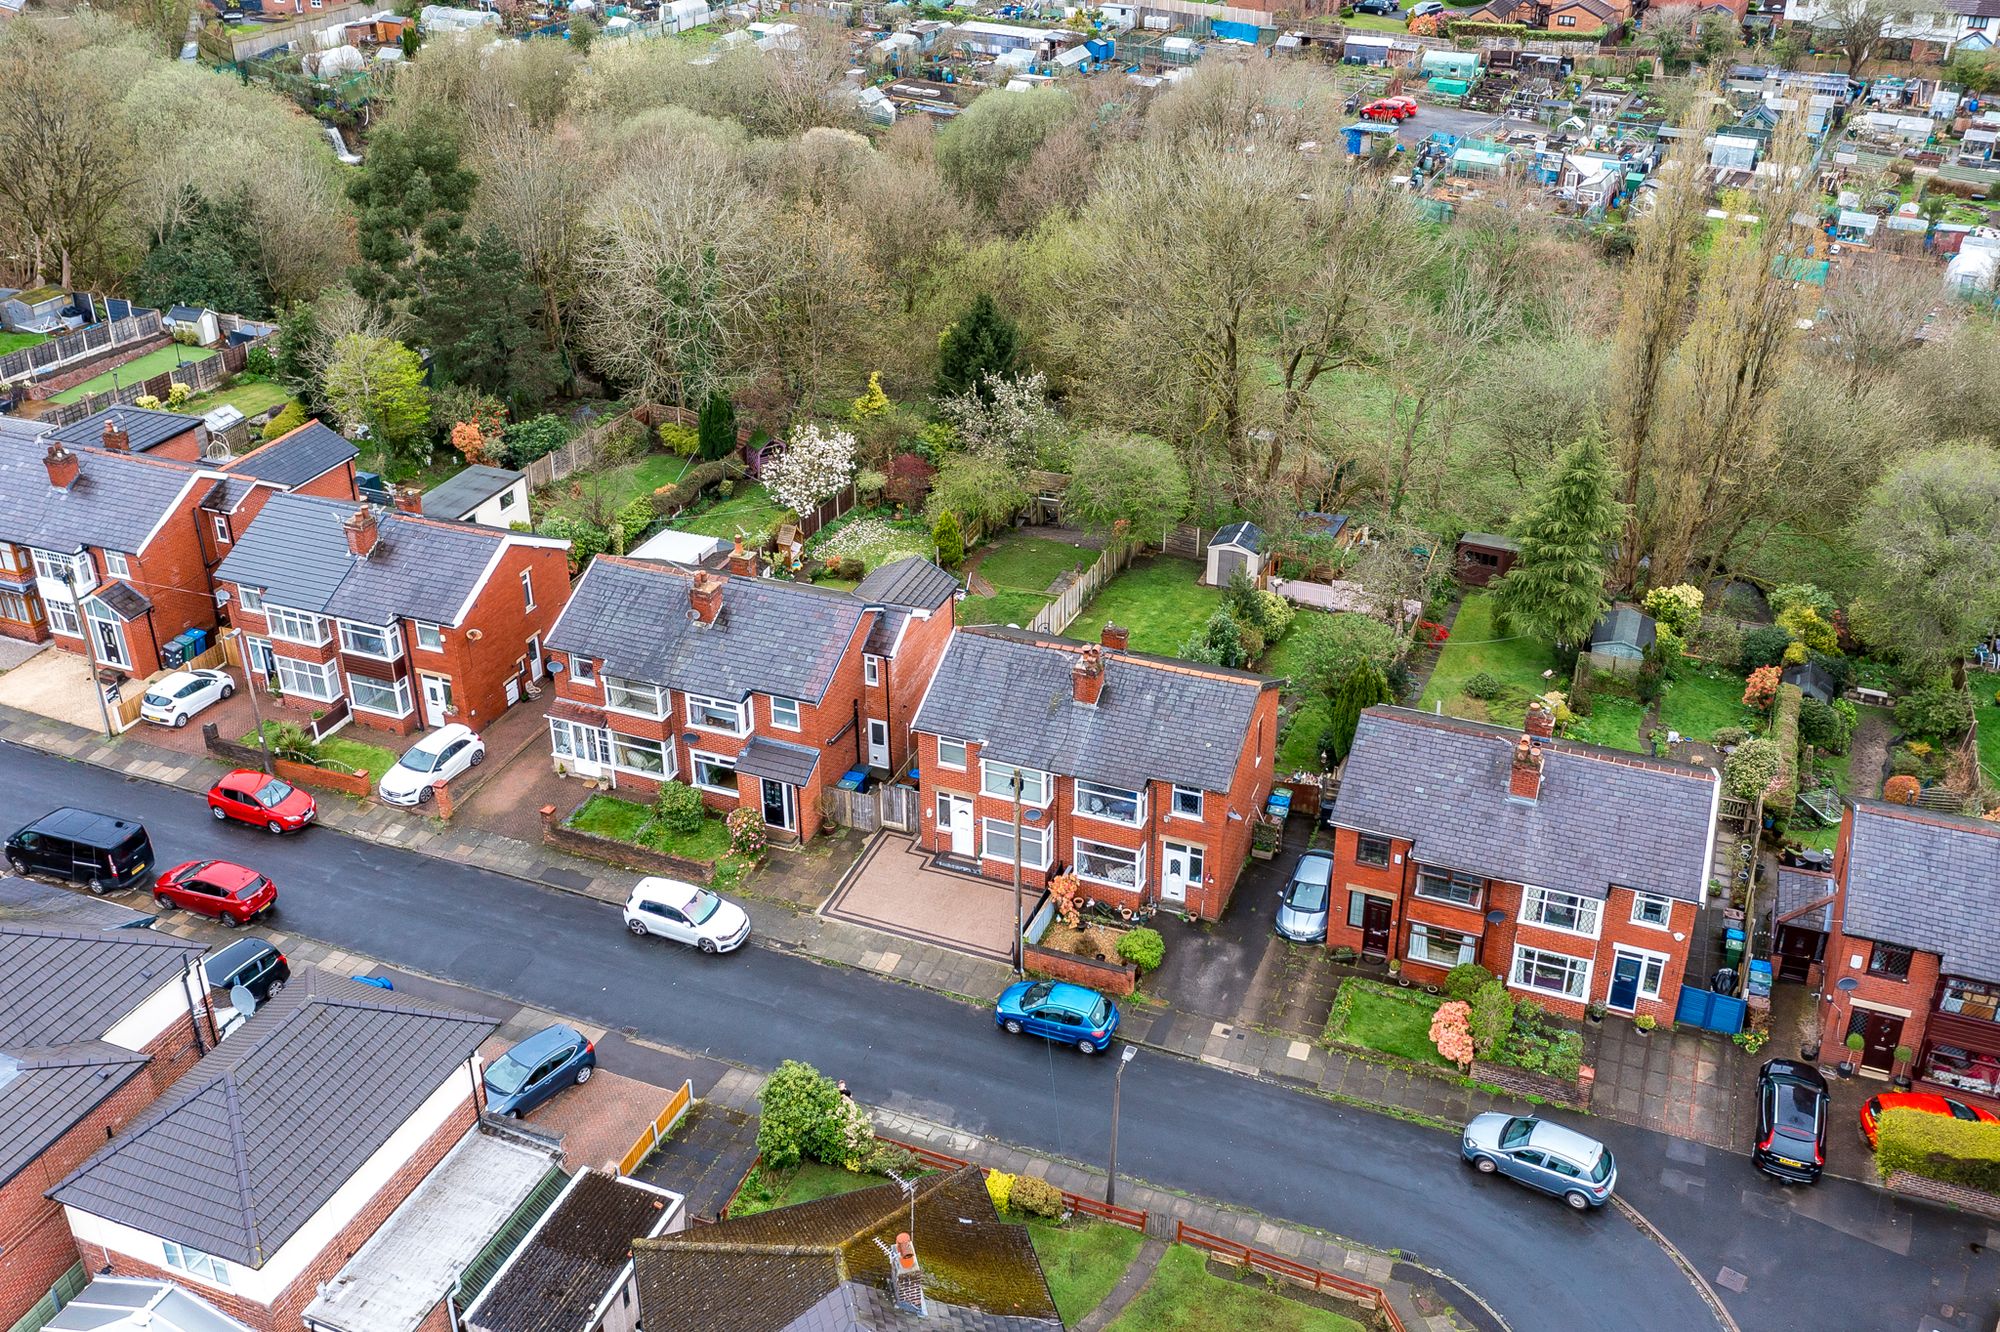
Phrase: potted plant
(1595, 1011)
(1904, 1054)
(1645, 1023)
(1847, 1066)
(1396, 972)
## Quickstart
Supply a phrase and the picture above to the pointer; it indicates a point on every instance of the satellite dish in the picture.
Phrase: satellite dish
(244, 1002)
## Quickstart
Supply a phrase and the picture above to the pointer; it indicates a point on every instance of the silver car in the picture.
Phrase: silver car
(1542, 1155)
(1302, 908)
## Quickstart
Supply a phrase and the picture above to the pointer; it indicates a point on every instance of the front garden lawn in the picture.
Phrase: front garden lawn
(1184, 1296)
(1704, 699)
(625, 821)
(1020, 563)
(750, 511)
(13, 342)
(619, 486)
(1613, 722)
(339, 749)
(1158, 600)
(766, 1190)
(1381, 1017)
(1299, 750)
(160, 361)
(1476, 646)
(1083, 1261)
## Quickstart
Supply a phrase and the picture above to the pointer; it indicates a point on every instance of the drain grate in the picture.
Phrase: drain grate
(1731, 1279)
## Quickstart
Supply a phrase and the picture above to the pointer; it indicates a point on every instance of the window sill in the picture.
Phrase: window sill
(1132, 887)
(1559, 929)
(379, 712)
(1138, 822)
(1008, 861)
(631, 712)
(716, 730)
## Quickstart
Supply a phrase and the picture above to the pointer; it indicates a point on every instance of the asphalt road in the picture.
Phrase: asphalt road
(1835, 1257)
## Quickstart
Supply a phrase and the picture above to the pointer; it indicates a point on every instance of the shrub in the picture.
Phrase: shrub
(1036, 1197)
(1826, 726)
(1726, 736)
(803, 1115)
(999, 1185)
(1939, 1147)
(1677, 608)
(286, 421)
(1482, 685)
(679, 440)
(635, 518)
(1902, 789)
(1465, 980)
(1788, 597)
(1492, 1017)
(1761, 689)
(1143, 948)
(259, 361)
(586, 539)
(537, 437)
(716, 428)
(1763, 646)
(681, 810)
(671, 499)
(1450, 1034)
(1752, 768)
(949, 540)
(1934, 710)
(747, 833)
(1717, 638)
(1219, 642)
(909, 480)
(1809, 629)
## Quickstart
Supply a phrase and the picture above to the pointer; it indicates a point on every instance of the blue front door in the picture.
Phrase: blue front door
(1624, 984)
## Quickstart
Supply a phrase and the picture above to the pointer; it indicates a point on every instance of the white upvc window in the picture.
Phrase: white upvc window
(580, 742)
(1572, 913)
(250, 599)
(1440, 947)
(389, 698)
(1187, 802)
(1110, 804)
(785, 713)
(717, 714)
(1652, 911)
(1556, 974)
(527, 590)
(642, 758)
(997, 779)
(951, 753)
(317, 680)
(1115, 866)
(635, 696)
(75, 571)
(62, 617)
(997, 843)
(292, 626)
(713, 772)
(582, 671)
(371, 640)
(116, 565)
(1444, 885)
(221, 522)
(430, 637)
(196, 1263)
(871, 669)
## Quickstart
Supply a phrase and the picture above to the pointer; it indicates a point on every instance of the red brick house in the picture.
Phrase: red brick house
(94, 1024)
(1140, 774)
(265, 1168)
(1916, 927)
(1572, 872)
(758, 691)
(408, 621)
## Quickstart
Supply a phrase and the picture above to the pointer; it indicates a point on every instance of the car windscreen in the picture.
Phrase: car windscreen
(1035, 993)
(1306, 896)
(272, 794)
(507, 1075)
(1797, 1110)
(1100, 1014)
(1602, 1170)
(1517, 1132)
(705, 904)
(418, 760)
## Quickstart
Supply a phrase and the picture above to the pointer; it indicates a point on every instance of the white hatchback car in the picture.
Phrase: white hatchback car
(172, 699)
(687, 913)
(438, 757)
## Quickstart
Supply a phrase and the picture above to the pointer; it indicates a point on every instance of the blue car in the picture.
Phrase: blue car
(1060, 1011)
(537, 1069)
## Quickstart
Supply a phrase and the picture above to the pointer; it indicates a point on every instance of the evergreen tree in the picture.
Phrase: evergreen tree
(1556, 588)
(481, 318)
(1360, 689)
(949, 540)
(209, 261)
(716, 426)
(983, 342)
(411, 192)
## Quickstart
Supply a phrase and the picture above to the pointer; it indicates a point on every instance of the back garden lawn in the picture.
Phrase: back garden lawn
(1477, 647)
(1021, 569)
(750, 511)
(1158, 600)
(618, 486)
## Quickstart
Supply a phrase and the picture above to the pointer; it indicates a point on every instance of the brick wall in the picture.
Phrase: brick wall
(173, 1052)
(1521, 1082)
(1109, 977)
(612, 851)
(1976, 1201)
(909, 675)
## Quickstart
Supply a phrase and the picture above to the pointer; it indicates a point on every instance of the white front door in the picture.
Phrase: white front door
(1180, 865)
(534, 657)
(955, 813)
(878, 743)
(437, 699)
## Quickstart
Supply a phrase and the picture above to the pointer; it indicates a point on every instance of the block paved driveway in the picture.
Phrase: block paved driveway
(894, 887)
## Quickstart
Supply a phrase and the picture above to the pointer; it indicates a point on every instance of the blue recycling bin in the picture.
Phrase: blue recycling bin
(1758, 980)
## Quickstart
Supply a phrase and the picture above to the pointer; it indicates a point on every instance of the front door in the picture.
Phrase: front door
(1375, 913)
(1624, 995)
(437, 699)
(110, 639)
(534, 657)
(781, 807)
(1881, 1033)
(956, 816)
(1179, 866)
(878, 743)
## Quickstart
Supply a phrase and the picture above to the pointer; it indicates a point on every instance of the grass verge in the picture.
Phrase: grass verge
(1082, 1261)
(1184, 1296)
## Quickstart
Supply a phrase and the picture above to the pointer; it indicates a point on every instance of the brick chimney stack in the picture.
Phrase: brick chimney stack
(1541, 720)
(62, 465)
(408, 499)
(361, 531)
(906, 1281)
(116, 440)
(1087, 676)
(705, 596)
(745, 563)
(1115, 636)
(1524, 781)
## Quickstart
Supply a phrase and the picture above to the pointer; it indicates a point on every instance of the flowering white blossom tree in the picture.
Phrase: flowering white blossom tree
(1013, 422)
(814, 466)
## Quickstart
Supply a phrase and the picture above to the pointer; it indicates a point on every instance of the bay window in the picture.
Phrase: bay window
(74, 570)
(368, 640)
(635, 696)
(292, 626)
(716, 714)
(390, 698)
(1550, 973)
(582, 743)
(997, 779)
(642, 758)
(1113, 865)
(1970, 998)
(1440, 947)
(63, 618)
(998, 843)
(1110, 803)
(316, 680)
(1571, 913)
(714, 772)
(1443, 885)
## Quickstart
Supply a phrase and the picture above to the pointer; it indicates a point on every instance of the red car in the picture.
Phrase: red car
(232, 894)
(249, 796)
(1929, 1102)
(1390, 108)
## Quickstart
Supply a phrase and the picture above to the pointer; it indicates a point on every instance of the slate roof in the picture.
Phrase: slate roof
(115, 501)
(295, 457)
(778, 760)
(128, 603)
(911, 581)
(816, 1266)
(228, 494)
(1247, 535)
(1603, 817)
(883, 634)
(255, 1139)
(148, 429)
(1928, 881)
(15, 427)
(1623, 626)
(1804, 899)
(459, 495)
(1974, 8)
(554, 1281)
(771, 636)
(296, 552)
(1157, 719)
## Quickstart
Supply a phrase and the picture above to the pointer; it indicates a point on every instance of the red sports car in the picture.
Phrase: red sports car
(249, 796)
(232, 894)
(1929, 1102)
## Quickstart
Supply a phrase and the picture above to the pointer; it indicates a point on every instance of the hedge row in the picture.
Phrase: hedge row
(668, 500)
(1939, 1147)
(1785, 731)
(1488, 28)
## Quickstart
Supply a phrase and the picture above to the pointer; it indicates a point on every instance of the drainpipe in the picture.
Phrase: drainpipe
(187, 993)
(1157, 854)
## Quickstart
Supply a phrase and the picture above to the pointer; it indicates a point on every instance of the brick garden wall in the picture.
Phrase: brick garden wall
(1951, 1195)
(614, 852)
(1110, 977)
(1524, 1083)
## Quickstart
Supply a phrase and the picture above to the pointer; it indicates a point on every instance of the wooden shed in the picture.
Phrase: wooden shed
(1235, 549)
(1484, 556)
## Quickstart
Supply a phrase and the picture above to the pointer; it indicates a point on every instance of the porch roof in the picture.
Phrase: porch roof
(777, 760)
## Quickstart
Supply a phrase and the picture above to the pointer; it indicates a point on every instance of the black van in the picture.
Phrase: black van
(108, 854)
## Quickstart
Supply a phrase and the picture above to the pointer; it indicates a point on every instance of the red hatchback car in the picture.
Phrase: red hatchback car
(1929, 1102)
(232, 894)
(249, 796)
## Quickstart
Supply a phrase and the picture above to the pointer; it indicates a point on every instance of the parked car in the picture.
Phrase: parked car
(252, 963)
(536, 1069)
(229, 892)
(1791, 1121)
(172, 699)
(1390, 109)
(438, 757)
(1072, 1014)
(1544, 1156)
(102, 851)
(1302, 906)
(686, 913)
(1929, 1103)
(1381, 8)
(253, 797)
(1425, 8)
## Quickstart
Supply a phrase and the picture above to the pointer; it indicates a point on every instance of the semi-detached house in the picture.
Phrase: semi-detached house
(1141, 775)
(409, 621)
(1574, 873)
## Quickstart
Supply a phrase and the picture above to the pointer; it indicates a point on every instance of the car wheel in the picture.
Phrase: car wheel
(638, 927)
(583, 1075)
(423, 795)
(163, 902)
(1577, 1202)
(228, 921)
(478, 757)
(215, 811)
(706, 945)
(1485, 1165)
(1013, 1027)
(279, 988)
(275, 827)
(18, 865)
(228, 690)
(180, 721)
(99, 887)
(1087, 1047)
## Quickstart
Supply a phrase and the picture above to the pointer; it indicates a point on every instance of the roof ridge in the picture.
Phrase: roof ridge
(147, 938)
(1153, 660)
(1505, 735)
(76, 1054)
(240, 1150)
(1934, 818)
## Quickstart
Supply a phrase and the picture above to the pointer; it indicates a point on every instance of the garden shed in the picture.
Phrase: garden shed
(1813, 681)
(1235, 549)
(1623, 634)
(1484, 556)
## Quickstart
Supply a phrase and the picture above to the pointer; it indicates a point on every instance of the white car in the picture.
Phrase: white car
(438, 757)
(172, 699)
(687, 913)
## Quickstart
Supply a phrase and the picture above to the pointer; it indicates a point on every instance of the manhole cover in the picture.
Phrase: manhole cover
(563, 878)
(1731, 1279)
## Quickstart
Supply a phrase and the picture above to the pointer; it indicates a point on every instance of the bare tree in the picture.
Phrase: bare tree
(1857, 27)
(1875, 310)
(535, 184)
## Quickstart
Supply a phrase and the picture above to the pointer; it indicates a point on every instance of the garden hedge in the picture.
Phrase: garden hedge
(1785, 730)
(1939, 1147)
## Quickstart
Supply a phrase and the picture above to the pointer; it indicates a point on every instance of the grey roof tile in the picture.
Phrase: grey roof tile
(228, 494)
(59, 985)
(1928, 881)
(1157, 719)
(771, 637)
(295, 457)
(255, 1139)
(1804, 899)
(460, 494)
(911, 581)
(115, 502)
(147, 429)
(45, 1092)
(882, 634)
(781, 762)
(25, 902)
(128, 603)
(1603, 817)
(21, 428)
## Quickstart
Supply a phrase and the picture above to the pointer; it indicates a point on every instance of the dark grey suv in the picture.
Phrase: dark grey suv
(1791, 1122)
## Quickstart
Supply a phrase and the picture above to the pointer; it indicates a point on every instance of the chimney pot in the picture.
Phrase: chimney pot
(361, 530)
(1115, 636)
(1524, 780)
(1541, 721)
(116, 440)
(705, 596)
(745, 563)
(408, 499)
(62, 465)
(1087, 676)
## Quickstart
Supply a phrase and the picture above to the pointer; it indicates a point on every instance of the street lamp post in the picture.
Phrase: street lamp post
(1020, 948)
(1117, 1086)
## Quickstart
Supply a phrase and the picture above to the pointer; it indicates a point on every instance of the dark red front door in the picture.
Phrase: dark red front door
(1375, 915)
(1881, 1033)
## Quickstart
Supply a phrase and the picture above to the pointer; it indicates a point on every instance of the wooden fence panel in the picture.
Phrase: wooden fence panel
(656, 1132)
(48, 357)
(1069, 603)
(852, 809)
